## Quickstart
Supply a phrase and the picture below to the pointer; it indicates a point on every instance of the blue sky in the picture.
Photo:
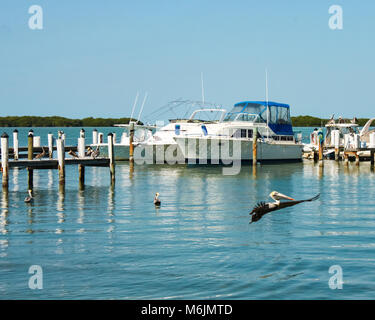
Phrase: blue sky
(92, 57)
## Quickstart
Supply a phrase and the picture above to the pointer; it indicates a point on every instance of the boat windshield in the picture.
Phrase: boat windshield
(276, 114)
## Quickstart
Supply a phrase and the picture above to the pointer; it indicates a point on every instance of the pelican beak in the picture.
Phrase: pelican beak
(283, 196)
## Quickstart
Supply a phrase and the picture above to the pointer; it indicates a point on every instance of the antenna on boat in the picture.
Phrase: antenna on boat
(268, 110)
(143, 103)
(135, 102)
(202, 88)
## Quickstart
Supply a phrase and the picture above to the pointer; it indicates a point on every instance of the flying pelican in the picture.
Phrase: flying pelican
(95, 153)
(157, 201)
(262, 207)
(30, 197)
(41, 155)
(73, 154)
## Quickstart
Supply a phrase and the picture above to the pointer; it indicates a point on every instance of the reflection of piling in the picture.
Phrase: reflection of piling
(131, 139)
(30, 156)
(111, 155)
(4, 159)
(15, 145)
(61, 159)
(255, 145)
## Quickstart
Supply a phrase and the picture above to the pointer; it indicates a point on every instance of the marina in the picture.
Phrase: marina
(202, 151)
(197, 245)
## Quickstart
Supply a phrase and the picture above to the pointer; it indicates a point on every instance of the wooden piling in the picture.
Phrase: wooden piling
(95, 136)
(5, 159)
(61, 159)
(30, 156)
(111, 155)
(15, 145)
(81, 154)
(50, 145)
(372, 159)
(321, 162)
(255, 146)
(131, 139)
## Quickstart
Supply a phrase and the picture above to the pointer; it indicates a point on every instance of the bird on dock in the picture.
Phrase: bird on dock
(72, 153)
(95, 153)
(157, 201)
(354, 120)
(29, 198)
(262, 207)
(89, 151)
(41, 155)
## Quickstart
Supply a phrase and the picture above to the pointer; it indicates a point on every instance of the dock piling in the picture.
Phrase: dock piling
(95, 136)
(5, 159)
(81, 154)
(61, 159)
(30, 156)
(15, 145)
(131, 139)
(50, 145)
(255, 146)
(111, 155)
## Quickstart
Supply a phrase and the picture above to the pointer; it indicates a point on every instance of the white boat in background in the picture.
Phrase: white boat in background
(342, 133)
(275, 137)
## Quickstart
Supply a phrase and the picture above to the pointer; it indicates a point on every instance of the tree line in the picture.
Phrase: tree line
(55, 121)
(309, 121)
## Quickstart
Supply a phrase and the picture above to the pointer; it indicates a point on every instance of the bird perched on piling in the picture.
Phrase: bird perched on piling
(157, 201)
(262, 207)
(41, 155)
(95, 153)
(72, 153)
(29, 198)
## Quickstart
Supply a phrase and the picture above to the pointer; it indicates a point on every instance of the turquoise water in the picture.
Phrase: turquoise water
(104, 243)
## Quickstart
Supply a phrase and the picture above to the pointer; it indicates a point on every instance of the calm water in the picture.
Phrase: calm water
(104, 242)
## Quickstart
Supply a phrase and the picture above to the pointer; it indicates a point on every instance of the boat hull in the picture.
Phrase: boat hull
(226, 149)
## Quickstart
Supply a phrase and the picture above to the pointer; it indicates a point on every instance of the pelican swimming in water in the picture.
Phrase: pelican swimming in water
(30, 197)
(262, 207)
(41, 155)
(72, 153)
(157, 201)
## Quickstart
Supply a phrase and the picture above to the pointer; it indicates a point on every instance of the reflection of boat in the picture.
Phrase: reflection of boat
(232, 138)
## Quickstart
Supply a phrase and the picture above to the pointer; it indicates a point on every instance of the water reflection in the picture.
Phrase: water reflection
(4, 211)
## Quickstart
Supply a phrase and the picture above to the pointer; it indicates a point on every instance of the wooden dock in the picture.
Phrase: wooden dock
(79, 156)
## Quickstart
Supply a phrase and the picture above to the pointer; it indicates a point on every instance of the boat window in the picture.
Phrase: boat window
(279, 115)
(249, 133)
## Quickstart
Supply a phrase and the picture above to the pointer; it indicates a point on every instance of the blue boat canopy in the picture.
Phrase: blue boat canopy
(256, 111)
